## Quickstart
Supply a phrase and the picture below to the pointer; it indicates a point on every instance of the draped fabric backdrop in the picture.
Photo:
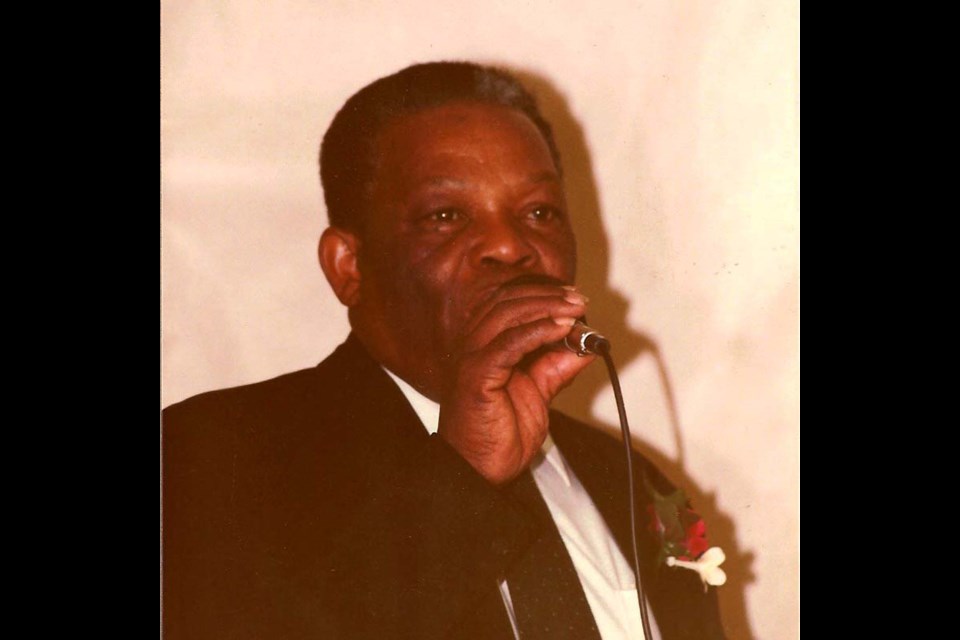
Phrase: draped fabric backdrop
(679, 125)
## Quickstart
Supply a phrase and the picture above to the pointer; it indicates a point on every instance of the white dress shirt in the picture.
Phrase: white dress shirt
(606, 576)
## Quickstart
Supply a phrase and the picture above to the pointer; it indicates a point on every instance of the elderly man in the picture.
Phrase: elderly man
(415, 483)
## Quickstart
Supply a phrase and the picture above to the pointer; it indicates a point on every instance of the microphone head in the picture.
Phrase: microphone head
(584, 340)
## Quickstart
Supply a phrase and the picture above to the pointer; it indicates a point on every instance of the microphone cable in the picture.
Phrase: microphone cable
(602, 348)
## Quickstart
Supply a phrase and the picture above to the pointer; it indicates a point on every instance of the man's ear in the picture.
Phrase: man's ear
(338, 259)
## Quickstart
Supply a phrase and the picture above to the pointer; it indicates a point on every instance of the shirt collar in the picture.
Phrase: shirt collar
(426, 409)
(429, 413)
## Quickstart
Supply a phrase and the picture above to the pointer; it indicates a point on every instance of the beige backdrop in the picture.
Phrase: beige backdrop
(679, 124)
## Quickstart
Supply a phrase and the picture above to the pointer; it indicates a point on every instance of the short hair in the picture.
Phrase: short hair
(348, 151)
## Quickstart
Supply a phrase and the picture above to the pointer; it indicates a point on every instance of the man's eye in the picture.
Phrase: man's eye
(445, 215)
(544, 214)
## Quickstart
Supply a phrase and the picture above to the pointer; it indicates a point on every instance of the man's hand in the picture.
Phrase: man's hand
(494, 411)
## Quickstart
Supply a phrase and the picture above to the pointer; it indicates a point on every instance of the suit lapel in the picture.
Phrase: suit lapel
(676, 596)
(601, 469)
(600, 465)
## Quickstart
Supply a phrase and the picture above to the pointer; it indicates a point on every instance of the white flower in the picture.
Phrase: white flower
(708, 566)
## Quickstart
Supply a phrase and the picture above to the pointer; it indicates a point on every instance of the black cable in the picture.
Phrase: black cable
(603, 348)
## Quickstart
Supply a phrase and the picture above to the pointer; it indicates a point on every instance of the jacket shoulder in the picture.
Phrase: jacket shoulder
(287, 398)
(224, 402)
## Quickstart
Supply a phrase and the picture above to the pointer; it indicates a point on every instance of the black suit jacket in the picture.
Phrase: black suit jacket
(315, 505)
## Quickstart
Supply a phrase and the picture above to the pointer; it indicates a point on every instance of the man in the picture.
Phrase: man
(415, 484)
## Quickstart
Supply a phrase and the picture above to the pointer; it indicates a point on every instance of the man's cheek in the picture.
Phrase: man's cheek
(428, 254)
(421, 293)
(561, 254)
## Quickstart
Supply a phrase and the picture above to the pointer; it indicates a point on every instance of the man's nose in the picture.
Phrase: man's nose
(502, 242)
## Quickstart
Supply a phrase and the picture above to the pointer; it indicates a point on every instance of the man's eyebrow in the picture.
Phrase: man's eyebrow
(545, 176)
(446, 181)
(441, 181)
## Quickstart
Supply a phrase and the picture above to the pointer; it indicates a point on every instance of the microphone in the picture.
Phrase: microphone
(583, 340)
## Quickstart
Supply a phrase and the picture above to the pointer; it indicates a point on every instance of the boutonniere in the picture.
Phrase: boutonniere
(683, 538)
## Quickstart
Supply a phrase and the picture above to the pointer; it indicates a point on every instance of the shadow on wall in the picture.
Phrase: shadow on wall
(612, 307)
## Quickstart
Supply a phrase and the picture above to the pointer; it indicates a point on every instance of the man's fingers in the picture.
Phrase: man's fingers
(515, 313)
(494, 363)
(516, 292)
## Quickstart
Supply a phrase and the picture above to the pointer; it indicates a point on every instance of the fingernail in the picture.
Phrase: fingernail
(575, 297)
(565, 322)
(569, 287)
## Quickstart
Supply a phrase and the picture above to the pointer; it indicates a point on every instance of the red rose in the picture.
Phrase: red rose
(696, 542)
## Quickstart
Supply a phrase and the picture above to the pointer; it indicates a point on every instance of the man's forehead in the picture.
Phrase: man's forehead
(435, 147)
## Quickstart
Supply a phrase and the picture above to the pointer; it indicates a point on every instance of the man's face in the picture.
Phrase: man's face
(465, 198)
